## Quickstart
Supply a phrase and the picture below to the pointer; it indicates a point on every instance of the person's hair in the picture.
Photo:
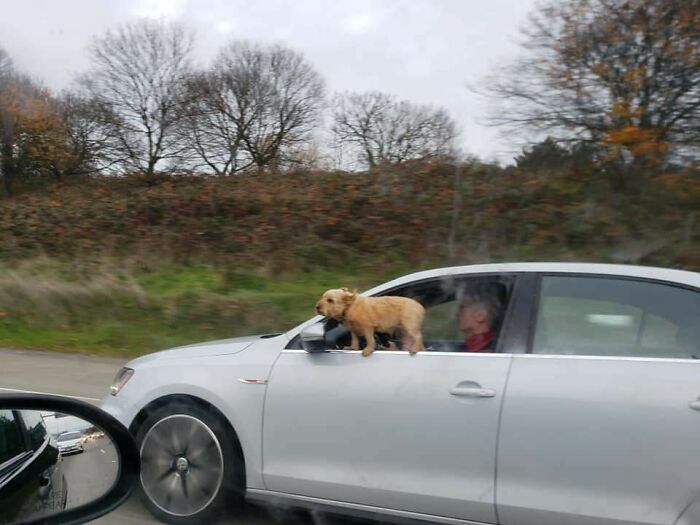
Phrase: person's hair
(488, 302)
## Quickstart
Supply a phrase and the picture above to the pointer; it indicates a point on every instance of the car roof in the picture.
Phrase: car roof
(623, 270)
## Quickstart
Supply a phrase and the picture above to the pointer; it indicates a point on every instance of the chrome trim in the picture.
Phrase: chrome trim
(427, 353)
(473, 355)
(260, 494)
(610, 358)
(253, 381)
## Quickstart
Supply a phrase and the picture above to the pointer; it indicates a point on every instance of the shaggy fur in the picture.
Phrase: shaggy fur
(366, 315)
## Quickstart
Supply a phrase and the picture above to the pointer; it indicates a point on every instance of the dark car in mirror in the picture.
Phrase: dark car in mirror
(61, 460)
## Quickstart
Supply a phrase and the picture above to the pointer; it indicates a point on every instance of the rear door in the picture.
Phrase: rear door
(411, 433)
(601, 420)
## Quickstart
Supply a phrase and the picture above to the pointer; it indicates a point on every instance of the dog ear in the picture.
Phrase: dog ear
(348, 296)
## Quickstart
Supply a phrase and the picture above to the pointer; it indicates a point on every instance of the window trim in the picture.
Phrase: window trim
(8, 466)
(538, 301)
(508, 329)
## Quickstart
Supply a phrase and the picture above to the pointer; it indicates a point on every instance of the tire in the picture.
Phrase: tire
(191, 470)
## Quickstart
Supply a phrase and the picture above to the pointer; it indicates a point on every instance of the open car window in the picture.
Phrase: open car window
(441, 299)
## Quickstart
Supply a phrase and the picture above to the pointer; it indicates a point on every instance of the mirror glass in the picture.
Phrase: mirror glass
(51, 462)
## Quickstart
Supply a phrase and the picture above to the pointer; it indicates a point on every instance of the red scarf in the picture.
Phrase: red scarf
(480, 343)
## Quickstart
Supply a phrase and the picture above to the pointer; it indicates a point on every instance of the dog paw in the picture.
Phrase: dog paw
(366, 353)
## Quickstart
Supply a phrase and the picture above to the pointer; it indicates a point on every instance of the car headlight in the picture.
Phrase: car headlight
(121, 379)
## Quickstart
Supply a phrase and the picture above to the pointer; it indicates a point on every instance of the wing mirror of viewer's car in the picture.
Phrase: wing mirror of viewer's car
(313, 338)
(62, 460)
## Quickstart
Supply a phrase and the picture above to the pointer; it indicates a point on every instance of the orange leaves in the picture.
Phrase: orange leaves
(641, 143)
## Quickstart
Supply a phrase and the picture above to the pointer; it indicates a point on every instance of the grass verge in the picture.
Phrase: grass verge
(117, 308)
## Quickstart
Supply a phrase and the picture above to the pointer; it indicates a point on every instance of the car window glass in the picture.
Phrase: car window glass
(444, 299)
(35, 427)
(439, 322)
(11, 442)
(616, 317)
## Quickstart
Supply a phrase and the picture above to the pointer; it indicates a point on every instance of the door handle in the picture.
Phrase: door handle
(695, 405)
(465, 391)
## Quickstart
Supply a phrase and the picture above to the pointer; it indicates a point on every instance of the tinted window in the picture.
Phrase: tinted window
(617, 317)
(11, 442)
(35, 427)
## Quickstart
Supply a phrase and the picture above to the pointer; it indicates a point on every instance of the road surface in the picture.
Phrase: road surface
(87, 378)
(91, 473)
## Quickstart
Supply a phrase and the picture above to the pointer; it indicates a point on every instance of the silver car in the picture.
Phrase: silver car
(585, 409)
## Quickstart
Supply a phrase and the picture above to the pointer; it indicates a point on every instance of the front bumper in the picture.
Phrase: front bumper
(70, 450)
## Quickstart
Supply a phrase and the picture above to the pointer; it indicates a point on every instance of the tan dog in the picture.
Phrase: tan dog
(366, 315)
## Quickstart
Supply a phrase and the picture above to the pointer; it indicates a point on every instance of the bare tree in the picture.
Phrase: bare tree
(91, 144)
(621, 74)
(6, 65)
(382, 128)
(272, 95)
(211, 125)
(138, 74)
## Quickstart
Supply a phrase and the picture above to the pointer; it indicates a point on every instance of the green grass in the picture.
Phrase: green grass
(120, 309)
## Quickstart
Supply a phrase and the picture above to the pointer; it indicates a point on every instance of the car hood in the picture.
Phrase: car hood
(69, 443)
(211, 348)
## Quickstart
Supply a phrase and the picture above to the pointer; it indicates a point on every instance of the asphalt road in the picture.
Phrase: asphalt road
(90, 474)
(88, 378)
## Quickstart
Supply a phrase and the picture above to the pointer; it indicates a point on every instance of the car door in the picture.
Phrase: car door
(411, 433)
(27, 464)
(601, 420)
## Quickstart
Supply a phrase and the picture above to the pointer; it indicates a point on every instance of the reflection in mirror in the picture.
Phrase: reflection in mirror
(50, 462)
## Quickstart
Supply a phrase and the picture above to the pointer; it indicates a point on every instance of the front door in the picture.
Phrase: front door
(410, 433)
(601, 420)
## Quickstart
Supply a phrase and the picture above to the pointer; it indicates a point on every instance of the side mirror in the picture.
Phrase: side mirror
(313, 338)
(62, 460)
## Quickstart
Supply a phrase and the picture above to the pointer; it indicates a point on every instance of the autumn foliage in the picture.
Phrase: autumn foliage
(399, 217)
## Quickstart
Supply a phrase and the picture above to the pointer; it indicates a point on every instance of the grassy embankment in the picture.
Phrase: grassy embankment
(112, 265)
(126, 312)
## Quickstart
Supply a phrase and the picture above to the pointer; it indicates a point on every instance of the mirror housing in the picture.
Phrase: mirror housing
(124, 447)
(313, 338)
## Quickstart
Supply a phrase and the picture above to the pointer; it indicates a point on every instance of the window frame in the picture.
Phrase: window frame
(514, 327)
(9, 466)
(537, 302)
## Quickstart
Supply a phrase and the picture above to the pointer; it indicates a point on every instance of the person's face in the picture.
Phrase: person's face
(472, 319)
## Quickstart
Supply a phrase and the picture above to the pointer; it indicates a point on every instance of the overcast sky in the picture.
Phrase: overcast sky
(423, 50)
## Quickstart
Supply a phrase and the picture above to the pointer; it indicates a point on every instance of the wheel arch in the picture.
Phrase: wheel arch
(162, 401)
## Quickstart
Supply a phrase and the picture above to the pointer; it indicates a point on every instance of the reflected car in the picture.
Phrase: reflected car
(70, 443)
(580, 404)
(32, 480)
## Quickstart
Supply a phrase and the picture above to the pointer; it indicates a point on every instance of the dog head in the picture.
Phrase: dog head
(335, 302)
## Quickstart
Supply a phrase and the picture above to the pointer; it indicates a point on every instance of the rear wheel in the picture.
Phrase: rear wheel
(190, 470)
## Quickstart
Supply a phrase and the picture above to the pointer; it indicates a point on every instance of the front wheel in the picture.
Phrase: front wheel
(189, 468)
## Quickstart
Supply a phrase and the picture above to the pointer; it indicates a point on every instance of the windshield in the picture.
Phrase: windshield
(68, 436)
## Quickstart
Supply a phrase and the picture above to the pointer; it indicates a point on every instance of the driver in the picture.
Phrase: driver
(476, 319)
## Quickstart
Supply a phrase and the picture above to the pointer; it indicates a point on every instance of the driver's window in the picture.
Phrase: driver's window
(463, 314)
(440, 322)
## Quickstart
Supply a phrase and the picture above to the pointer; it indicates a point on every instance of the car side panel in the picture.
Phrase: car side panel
(599, 440)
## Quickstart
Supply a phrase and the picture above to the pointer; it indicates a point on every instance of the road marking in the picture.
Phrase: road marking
(48, 394)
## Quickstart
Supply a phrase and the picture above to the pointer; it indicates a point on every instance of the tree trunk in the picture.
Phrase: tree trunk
(7, 167)
(456, 212)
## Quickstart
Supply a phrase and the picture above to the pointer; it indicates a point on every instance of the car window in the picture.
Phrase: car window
(68, 436)
(35, 427)
(11, 442)
(444, 299)
(616, 317)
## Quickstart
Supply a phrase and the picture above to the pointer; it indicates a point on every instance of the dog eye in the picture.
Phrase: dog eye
(330, 300)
